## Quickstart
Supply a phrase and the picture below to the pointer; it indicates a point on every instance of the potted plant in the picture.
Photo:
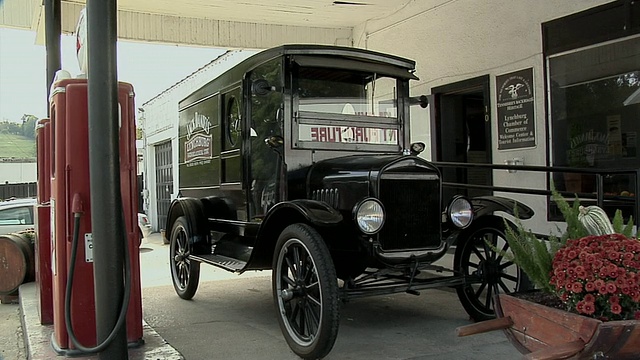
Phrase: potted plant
(587, 302)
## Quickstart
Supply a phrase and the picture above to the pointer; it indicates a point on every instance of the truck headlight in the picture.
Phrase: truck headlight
(369, 215)
(460, 212)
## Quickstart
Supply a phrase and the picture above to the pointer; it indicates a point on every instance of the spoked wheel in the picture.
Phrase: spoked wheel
(305, 291)
(185, 273)
(486, 271)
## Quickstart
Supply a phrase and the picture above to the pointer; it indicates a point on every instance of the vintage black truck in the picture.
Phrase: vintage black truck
(298, 160)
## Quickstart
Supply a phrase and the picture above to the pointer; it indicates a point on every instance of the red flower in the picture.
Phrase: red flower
(603, 290)
(589, 286)
(589, 308)
(616, 309)
(599, 276)
(577, 287)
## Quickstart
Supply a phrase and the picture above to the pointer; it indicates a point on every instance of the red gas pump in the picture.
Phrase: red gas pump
(43, 223)
(70, 192)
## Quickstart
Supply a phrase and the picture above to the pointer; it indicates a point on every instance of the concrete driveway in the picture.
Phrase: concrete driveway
(233, 316)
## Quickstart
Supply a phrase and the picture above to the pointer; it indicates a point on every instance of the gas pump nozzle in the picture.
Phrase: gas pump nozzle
(77, 206)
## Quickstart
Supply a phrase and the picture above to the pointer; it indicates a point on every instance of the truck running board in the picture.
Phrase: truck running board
(224, 262)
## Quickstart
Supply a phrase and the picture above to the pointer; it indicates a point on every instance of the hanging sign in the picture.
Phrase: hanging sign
(516, 121)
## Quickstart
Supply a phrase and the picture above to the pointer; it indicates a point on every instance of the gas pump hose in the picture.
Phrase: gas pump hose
(67, 302)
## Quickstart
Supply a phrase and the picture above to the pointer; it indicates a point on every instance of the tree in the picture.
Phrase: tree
(29, 126)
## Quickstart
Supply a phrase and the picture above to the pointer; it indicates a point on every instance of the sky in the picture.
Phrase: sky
(150, 68)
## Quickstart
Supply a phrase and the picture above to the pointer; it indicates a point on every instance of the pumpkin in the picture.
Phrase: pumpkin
(595, 220)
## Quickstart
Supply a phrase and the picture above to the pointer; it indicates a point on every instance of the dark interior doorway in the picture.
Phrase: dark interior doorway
(463, 133)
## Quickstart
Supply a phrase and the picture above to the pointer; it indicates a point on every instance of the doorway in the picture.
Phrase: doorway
(463, 134)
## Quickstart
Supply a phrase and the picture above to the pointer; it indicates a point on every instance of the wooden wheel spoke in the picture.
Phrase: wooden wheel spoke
(313, 320)
(478, 254)
(480, 289)
(296, 261)
(288, 280)
(290, 266)
(489, 295)
(509, 277)
(504, 287)
(502, 251)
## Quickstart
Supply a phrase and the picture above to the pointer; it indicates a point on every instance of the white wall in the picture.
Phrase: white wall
(18, 172)
(455, 40)
(161, 121)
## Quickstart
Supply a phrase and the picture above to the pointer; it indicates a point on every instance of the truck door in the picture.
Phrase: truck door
(266, 109)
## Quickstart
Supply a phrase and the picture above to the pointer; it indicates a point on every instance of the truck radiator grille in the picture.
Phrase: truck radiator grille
(412, 205)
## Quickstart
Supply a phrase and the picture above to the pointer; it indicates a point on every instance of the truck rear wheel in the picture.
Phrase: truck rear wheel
(305, 291)
(185, 272)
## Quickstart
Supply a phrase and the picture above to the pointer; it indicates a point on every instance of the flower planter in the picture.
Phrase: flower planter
(542, 332)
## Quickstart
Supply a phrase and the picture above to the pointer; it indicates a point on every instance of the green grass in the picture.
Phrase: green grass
(17, 146)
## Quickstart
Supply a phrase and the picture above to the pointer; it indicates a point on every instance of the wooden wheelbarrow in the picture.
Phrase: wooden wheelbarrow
(544, 333)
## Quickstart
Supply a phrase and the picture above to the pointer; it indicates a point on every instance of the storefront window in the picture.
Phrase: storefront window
(595, 108)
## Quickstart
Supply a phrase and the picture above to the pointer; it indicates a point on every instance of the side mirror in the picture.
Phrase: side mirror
(421, 100)
(261, 87)
(274, 141)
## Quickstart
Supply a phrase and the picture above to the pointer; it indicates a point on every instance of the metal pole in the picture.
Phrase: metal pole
(104, 166)
(52, 39)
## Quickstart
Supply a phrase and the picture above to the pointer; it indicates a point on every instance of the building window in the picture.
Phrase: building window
(593, 93)
(595, 106)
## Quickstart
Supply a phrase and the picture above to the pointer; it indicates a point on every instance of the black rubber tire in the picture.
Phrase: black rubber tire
(486, 272)
(185, 273)
(305, 287)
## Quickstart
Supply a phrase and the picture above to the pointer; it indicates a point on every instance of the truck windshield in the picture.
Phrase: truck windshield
(345, 109)
(345, 92)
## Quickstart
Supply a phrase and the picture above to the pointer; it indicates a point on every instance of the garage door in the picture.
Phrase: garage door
(164, 181)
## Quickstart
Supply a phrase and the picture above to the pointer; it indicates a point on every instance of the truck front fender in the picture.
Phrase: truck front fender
(486, 205)
(315, 213)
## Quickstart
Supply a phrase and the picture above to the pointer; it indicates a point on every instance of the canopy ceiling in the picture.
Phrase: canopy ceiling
(220, 23)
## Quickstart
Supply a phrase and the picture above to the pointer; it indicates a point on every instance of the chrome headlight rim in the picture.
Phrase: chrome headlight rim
(460, 212)
(357, 216)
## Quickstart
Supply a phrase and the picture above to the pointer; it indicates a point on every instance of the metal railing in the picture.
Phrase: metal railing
(598, 196)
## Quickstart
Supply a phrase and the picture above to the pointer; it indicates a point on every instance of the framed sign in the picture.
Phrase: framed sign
(516, 102)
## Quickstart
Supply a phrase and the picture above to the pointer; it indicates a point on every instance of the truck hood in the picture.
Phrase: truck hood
(342, 182)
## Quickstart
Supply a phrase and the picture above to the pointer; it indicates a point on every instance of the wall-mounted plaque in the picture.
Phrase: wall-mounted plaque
(516, 102)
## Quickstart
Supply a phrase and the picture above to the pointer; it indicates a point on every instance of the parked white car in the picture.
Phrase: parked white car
(17, 215)
(144, 225)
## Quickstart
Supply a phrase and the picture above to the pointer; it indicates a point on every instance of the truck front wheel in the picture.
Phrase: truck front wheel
(487, 272)
(305, 291)
(185, 272)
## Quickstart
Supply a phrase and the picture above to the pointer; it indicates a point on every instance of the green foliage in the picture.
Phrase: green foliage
(9, 127)
(575, 229)
(619, 227)
(29, 126)
(535, 255)
(532, 254)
